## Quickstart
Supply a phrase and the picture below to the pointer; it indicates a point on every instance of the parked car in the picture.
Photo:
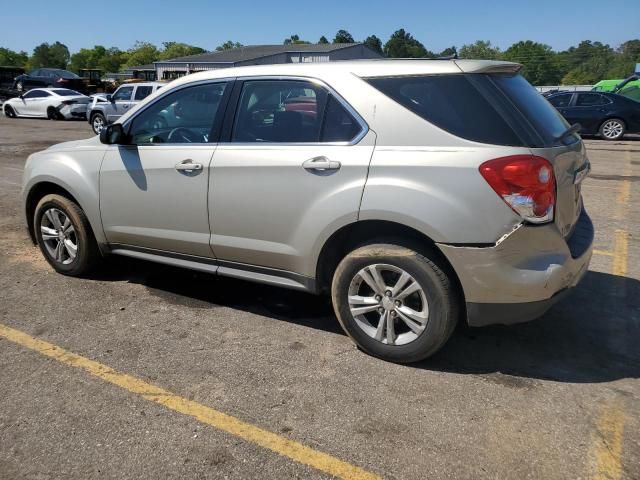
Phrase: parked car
(52, 103)
(8, 76)
(49, 77)
(106, 109)
(416, 193)
(606, 114)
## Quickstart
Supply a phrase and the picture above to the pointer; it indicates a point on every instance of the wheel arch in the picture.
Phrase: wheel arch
(356, 234)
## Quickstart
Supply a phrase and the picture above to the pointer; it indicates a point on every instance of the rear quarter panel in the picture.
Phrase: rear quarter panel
(438, 191)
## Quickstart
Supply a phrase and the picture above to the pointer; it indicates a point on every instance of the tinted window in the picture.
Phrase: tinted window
(123, 93)
(63, 74)
(452, 103)
(143, 92)
(590, 99)
(561, 100)
(35, 73)
(184, 116)
(338, 125)
(546, 120)
(279, 111)
(36, 94)
(65, 92)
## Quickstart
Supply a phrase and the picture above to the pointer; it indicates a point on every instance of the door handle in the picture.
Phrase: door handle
(188, 166)
(321, 164)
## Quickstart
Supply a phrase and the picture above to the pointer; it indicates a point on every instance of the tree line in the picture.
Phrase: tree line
(586, 63)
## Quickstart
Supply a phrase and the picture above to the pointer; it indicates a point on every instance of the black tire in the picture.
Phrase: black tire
(95, 119)
(52, 114)
(8, 112)
(439, 290)
(87, 254)
(612, 129)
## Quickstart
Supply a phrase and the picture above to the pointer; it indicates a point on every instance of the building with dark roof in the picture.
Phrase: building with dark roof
(261, 55)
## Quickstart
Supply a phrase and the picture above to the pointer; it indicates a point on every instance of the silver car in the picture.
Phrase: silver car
(105, 109)
(416, 193)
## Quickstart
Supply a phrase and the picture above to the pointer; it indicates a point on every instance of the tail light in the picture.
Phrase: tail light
(62, 80)
(526, 183)
(69, 102)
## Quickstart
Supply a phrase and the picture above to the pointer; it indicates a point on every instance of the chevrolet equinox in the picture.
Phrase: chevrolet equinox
(416, 193)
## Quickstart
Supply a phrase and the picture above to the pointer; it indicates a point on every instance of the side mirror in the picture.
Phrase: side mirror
(112, 134)
(109, 98)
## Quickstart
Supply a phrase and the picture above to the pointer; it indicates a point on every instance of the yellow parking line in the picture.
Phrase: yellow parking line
(624, 192)
(606, 449)
(620, 252)
(602, 252)
(269, 440)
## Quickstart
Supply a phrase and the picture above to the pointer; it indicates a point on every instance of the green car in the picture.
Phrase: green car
(629, 87)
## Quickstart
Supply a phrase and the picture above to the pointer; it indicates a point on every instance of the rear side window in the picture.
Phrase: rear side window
(590, 100)
(452, 103)
(339, 125)
(143, 92)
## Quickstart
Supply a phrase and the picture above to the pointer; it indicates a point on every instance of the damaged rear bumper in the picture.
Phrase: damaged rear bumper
(524, 274)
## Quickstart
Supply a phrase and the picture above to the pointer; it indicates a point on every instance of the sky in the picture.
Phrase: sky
(207, 24)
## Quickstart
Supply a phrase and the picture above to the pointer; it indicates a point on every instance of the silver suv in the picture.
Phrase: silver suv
(106, 109)
(416, 193)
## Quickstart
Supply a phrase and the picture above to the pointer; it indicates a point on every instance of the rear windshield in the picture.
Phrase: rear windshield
(495, 109)
(65, 92)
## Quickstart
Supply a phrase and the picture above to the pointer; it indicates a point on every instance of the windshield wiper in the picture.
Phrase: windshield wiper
(573, 129)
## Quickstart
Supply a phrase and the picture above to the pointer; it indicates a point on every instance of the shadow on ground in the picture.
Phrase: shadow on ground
(591, 336)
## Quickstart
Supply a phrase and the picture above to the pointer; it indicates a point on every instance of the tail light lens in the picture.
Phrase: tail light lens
(526, 183)
(69, 102)
(62, 80)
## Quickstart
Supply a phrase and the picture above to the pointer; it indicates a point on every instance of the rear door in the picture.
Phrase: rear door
(293, 167)
(588, 109)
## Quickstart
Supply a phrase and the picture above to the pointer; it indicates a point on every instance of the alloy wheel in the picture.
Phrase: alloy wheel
(98, 124)
(388, 304)
(612, 129)
(59, 236)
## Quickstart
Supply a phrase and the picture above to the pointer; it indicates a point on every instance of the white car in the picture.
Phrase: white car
(52, 103)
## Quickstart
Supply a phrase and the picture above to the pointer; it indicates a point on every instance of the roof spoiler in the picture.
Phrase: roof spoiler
(481, 66)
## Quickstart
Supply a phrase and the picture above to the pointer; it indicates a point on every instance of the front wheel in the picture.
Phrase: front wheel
(8, 112)
(394, 303)
(612, 129)
(97, 123)
(65, 236)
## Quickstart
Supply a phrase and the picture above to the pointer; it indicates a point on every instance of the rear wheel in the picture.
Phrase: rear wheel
(52, 114)
(8, 112)
(394, 303)
(97, 123)
(64, 236)
(612, 129)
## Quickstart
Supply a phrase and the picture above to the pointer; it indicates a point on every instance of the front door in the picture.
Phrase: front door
(153, 191)
(120, 103)
(292, 169)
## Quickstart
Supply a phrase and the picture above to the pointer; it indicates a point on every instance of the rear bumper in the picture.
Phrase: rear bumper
(524, 274)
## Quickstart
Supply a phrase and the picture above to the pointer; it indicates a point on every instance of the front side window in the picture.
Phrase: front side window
(36, 94)
(184, 116)
(123, 94)
(561, 100)
(143, 92)
(279, 111)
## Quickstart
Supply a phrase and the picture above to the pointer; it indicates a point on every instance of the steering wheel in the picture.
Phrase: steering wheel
(183, 135)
